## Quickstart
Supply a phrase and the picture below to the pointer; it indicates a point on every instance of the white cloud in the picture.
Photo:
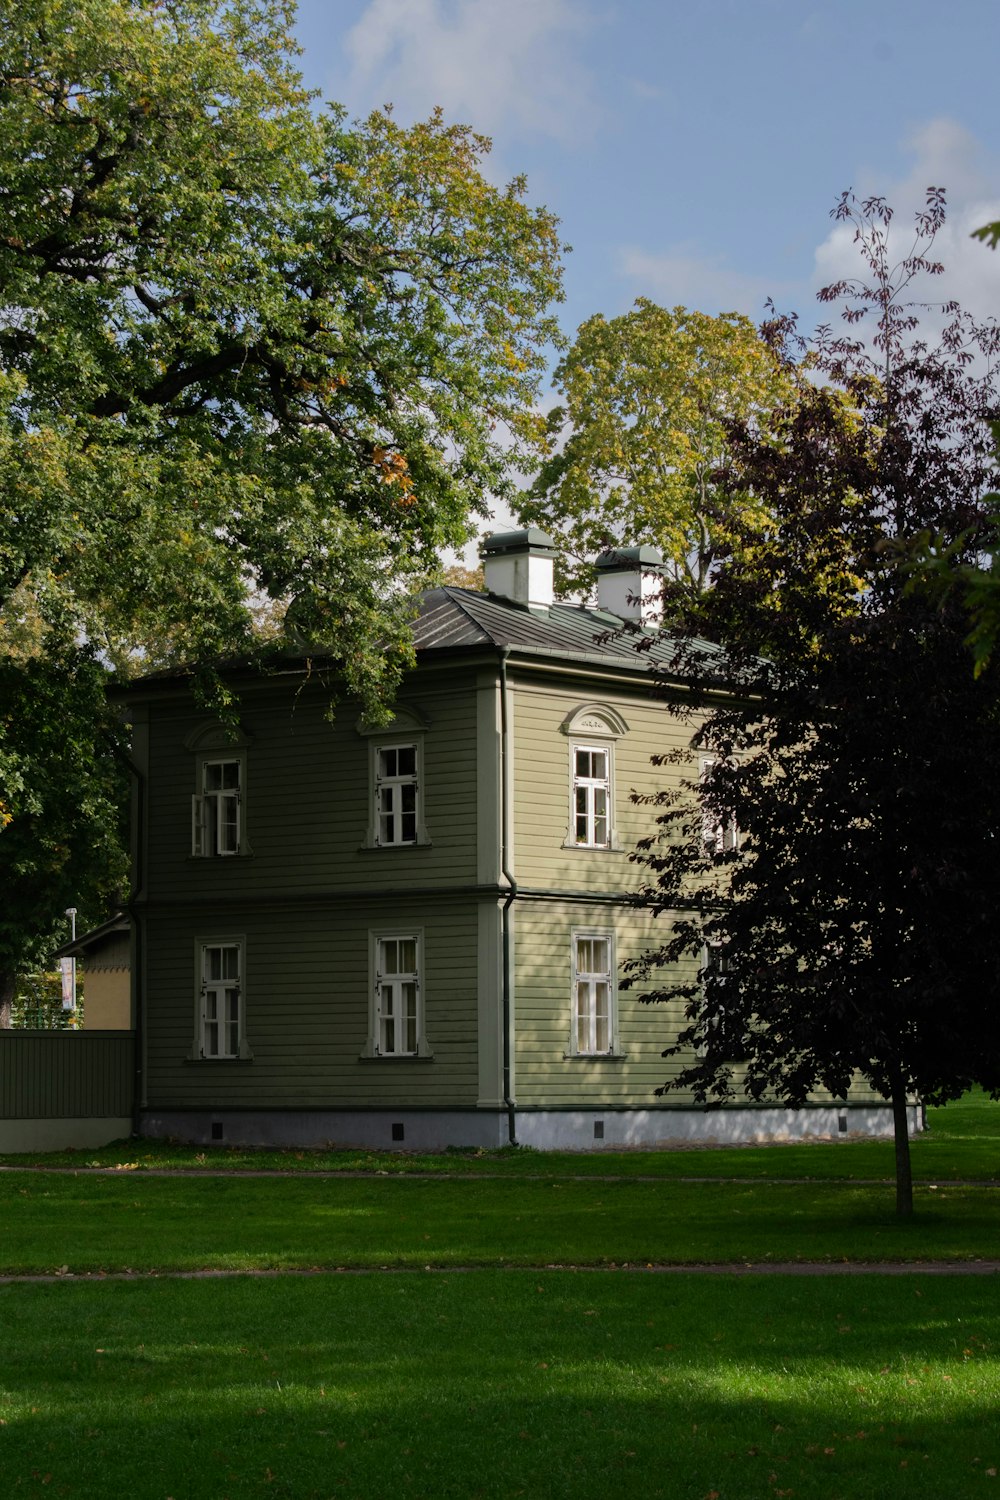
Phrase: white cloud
(509, 65)
(945, 155)
(682, 277)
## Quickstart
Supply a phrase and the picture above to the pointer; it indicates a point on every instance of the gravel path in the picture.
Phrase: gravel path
(379, 1176)
(756, 1268)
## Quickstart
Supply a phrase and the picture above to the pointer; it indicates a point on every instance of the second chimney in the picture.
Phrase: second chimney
(630, 584)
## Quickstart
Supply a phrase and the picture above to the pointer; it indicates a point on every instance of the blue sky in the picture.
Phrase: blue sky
(693, 151)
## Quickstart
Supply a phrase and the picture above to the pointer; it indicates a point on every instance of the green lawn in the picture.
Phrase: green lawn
(963, 1141)
(516, 1378)
(91, 1222)
(502, 1384)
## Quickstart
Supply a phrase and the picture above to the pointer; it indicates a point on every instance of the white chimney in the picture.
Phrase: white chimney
(630, 584)
(518, 565)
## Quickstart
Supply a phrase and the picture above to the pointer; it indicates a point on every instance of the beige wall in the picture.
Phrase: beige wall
(107, 1004)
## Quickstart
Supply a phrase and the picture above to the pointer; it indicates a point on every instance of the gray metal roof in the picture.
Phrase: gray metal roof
(451, 618)
(454, 619)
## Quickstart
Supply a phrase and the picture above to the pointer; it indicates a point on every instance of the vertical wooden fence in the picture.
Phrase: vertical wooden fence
(65, 1088)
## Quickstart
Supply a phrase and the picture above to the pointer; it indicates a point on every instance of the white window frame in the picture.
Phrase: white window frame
(717, 838)
(379, 1044)
(207, 989)
(213, 833)
(407, 730)
(711, 954)
(393, 786)
(593, 728)
(589, 1010)
(590, 786)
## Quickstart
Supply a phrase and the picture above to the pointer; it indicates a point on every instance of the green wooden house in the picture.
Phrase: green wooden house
(412, 934)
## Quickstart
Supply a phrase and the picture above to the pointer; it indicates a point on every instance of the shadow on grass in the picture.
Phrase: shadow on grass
(102, 1223)
(541, 1385)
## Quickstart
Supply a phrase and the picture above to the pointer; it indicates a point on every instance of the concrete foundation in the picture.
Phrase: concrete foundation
(545, 1130)
(649, 1129)
(380, 1130)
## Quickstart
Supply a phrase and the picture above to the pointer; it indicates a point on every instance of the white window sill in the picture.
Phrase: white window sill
(393, 848)
(208, 859)
(395, 1057)
(227, 1062)
(594, 1056)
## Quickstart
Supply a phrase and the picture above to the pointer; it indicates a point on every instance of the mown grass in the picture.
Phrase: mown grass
(963, 1141)
(502, 1384)
(92, 1222)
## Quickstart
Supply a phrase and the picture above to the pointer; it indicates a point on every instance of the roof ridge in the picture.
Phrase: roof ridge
(452, 589)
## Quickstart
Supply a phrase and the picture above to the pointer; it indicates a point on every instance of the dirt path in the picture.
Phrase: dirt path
(755, 1268)
(382, 1176)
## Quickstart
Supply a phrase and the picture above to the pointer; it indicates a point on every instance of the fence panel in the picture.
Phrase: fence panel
(62, 1075)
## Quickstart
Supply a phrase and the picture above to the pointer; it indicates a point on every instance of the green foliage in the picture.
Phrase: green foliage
(989, 234)
(256, 362)
(254, 351)
(64, 788)
(639, 446)
(37, 1005)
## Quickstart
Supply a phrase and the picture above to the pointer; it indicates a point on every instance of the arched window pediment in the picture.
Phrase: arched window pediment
(404, 721)
(212, 734)
(592, 720)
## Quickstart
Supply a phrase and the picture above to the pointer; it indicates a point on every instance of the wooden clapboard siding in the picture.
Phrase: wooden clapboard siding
(65, 1074)
(306, 988)
(545, 1076)
(306, 804)
(542, 783)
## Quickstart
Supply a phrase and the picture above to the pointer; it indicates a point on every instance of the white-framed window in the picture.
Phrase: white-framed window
(716, 966)
(397, 792)
(217, 807)
(396, 781)
(397, 1008)
(594, 994)
(397, 992)
(221, 1032)
(591, 827)
(717, 835)
(592, 730)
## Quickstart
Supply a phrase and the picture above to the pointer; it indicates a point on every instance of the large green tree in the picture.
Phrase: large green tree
(850, 932)
(254, 359)
(638, 443)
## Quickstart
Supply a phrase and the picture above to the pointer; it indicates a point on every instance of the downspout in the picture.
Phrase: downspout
(505, 922)
(138, 934)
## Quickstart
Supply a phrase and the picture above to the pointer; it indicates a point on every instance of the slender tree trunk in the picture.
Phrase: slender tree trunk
(904, 1174)
(8, 984)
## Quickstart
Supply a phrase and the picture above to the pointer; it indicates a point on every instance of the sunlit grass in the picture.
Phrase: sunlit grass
(90, 1223)
(499, 1384)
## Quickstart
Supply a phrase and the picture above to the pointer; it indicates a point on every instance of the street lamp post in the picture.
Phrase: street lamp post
(69, 989)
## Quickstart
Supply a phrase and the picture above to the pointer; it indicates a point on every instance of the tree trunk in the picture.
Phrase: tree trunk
(904, 1174)
(8, 984)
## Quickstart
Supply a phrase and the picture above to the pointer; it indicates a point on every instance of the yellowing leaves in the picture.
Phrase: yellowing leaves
(394, 470)
(637, 446)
